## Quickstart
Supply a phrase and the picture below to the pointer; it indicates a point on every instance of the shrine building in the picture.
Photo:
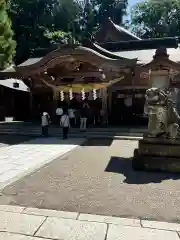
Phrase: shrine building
(111, 72)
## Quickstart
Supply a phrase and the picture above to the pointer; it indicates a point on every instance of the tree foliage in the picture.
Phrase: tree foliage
(60, 37)
(152, 18)
(30, 19)
(33, 19)
(39, 23)
(94, 12)
(115, 9)
(7, 44)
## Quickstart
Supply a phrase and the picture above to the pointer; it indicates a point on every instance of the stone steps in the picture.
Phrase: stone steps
(35, 130)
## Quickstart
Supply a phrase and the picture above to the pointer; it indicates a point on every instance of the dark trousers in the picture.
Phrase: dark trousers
(65, 132)
(45, 130)
(58, 118)
(72, 121)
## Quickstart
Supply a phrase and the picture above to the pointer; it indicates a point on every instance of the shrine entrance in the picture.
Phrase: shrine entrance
(68, 77)
(76, 101)
(127, 107)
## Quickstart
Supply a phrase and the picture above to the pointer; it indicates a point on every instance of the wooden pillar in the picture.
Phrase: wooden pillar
(31, 99)
(105, 105)
(56, 96)
(31, 104)
(12, 105)
(109, 101)
(3, 107)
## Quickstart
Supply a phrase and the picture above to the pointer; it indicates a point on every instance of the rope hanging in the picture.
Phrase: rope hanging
(70, 94)
(94, 94)
(83, 94)
(62, 95)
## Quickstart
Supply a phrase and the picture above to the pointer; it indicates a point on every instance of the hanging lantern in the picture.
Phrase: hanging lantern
(94, 94)
(83, 94)
(70, 94)
(62, 96)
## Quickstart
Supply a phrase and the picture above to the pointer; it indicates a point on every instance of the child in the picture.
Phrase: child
(65, 123)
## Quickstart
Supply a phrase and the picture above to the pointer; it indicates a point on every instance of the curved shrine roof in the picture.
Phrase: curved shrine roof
(109, 31)
(80, 53)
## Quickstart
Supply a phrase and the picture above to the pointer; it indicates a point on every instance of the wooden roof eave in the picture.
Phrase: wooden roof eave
(122, 30)
(105, 52)
(79, 53)
(159, 63)
(116, 29)
(5, 75)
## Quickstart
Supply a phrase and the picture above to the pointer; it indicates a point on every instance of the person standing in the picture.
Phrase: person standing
(71, 116)
(84, 117)
(59, 113)
(45, 122)
(65, 124)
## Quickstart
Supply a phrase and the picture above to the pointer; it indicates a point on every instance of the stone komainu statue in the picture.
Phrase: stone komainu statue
(163, 117)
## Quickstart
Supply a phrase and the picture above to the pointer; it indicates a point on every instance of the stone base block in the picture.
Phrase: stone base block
(157, 156)
(163, 148)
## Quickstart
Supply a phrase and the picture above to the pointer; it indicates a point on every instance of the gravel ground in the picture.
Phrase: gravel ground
(97, 178)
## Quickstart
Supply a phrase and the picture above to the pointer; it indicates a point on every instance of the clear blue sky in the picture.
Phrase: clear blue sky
(132, 2)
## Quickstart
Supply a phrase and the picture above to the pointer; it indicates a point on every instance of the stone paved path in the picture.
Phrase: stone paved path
(20, 223)
(97, 178)
(18, 160)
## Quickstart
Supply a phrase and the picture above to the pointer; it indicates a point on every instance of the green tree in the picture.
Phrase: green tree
(87, 23)
(115, 9)
(65, 14)
(59, 37)
(30, 19)
(38, 23)
(33, 19)
(95, 12)
(7, 44)
(152, 18)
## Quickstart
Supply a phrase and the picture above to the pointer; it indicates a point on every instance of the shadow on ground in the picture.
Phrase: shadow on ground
(98, 142)
(124, 166)
(29, 140)
(12, 140)
(17, 139)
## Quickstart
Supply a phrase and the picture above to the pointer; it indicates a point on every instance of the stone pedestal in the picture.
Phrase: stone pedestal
(156, 154)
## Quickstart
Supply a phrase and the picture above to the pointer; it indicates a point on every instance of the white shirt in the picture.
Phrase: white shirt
(64, 122)
(71, 113)
(59, 111)
(44, 120)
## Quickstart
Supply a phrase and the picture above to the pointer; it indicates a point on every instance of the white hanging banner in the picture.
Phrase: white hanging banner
(120, 95)
(128, 101)
(138, 95)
